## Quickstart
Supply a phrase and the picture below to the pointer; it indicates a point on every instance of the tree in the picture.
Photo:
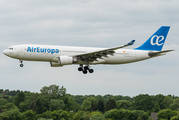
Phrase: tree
(97, 117)
(167, 101)
(9, 106)
(46, 115)
(61, 115)
(56, 104)
(24, 106)
(3, 102)
(123, 104)
(156, 108)
(11, 115)
(159, 98)
(138, 113)
(54, 91)
(101, 106)
(86, 105)
(78, 115)
(29, 115)
(111, 104)
(118, 114)
(94, 106)
(175, 105)
(166, 114)
(175, 118)
(19, 98)
(143, 102)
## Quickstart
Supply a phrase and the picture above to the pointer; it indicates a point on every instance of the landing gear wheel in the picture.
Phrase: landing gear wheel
(84, 71)
(91, 70)
(86, 68)
(21, 65)
(80, 69)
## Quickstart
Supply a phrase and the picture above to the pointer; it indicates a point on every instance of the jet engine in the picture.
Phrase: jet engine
(63, 60)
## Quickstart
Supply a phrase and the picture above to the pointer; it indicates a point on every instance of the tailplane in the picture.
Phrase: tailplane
(156, 41)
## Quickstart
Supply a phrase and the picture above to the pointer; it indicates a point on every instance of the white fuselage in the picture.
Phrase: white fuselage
(49, 53)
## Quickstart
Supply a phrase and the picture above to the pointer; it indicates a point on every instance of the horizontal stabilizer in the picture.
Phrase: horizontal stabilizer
(152, 54)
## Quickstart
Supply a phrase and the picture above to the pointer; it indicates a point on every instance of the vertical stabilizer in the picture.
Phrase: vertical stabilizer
(156, 41)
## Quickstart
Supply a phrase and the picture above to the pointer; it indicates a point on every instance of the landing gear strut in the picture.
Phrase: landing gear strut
(85, 69)
(21, 65)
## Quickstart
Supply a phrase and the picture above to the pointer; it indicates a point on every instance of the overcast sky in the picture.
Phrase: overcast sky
(91, 23)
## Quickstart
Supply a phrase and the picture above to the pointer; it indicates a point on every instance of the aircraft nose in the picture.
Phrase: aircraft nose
(5, 52)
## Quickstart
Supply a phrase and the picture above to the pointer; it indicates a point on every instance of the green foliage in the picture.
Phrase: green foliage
(101, 106)
(97, 117)
(19, 98)
(123, 104)
(175, 105)
(11, 115)
(118, 114)
(46, 115)
(167, 102)
(111, 104)
(11, 99)
(78, 115)
(95, 112)
(9, 106)
(143, 102)
(139, 113)
(56, 104)
(139, 118)
(3, 102)
(61, 115)
(53, 91)
(86, 105)
(166, 114)
(29, 115)
(94, 106)
(159, 98)
(156, 108)
(23, 106)
(175, 118)
(43, 119)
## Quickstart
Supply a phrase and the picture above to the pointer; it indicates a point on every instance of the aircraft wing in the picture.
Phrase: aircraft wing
(92, 56)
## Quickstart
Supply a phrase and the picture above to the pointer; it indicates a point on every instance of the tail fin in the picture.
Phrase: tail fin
(156, 41)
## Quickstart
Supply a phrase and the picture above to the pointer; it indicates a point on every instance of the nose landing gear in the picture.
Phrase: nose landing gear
(85, 69)
(21, 65)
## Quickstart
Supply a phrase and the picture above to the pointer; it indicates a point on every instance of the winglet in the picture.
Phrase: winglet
(131, 43)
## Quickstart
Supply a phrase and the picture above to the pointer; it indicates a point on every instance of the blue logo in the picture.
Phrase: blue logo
(42, 50)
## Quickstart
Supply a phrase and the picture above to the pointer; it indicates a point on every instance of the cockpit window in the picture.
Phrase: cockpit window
(10, 48)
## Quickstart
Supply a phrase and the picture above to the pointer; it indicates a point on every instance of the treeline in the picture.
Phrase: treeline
(53, 103)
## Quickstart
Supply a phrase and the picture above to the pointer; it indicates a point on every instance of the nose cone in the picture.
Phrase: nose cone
(5, 52)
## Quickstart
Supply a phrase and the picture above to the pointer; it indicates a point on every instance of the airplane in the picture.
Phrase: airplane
(59, 56)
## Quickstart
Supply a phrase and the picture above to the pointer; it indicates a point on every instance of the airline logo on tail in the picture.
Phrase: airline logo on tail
(157, 39)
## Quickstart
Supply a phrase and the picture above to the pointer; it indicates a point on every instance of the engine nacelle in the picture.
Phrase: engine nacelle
(63, 60)
(55, 64)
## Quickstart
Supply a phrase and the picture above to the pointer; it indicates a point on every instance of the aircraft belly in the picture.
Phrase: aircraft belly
(36, 56)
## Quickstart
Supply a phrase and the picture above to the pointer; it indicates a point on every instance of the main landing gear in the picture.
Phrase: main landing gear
(21, 65)
(85, 69)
